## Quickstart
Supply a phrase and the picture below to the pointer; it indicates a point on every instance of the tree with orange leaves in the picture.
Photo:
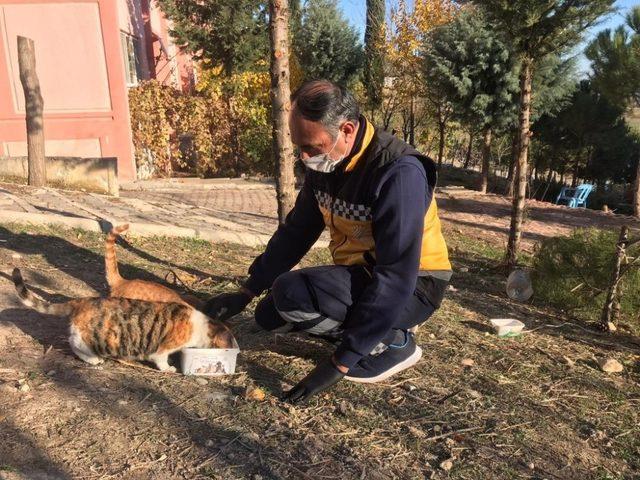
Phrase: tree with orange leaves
(405, 91)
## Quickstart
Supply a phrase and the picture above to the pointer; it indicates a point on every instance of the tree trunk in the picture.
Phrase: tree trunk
(512, 165)
(486, 159)
(34, 106)
(636, 193)
(374, 43)
(548, 185)
(412, 124)
(442, 126)
(519, 198)
(469, 150)
(281, 106)
(612, 304)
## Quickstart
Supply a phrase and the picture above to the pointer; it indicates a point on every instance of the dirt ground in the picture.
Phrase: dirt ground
(535, 406)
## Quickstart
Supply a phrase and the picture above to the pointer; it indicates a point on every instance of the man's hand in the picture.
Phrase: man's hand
(322, 377)
(226, 305)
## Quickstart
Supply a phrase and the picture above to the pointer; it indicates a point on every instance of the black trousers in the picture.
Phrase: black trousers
(317, 300)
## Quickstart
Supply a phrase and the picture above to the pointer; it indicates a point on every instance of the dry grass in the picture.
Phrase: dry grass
(536, 406)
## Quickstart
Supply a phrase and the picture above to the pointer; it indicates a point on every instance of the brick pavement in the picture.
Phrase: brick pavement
(245, 212)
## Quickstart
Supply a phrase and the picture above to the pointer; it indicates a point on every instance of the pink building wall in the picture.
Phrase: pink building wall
(81, 71)
(81, 66)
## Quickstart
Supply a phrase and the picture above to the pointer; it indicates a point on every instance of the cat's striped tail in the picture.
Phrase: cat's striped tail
(30, 300)
(110, 260)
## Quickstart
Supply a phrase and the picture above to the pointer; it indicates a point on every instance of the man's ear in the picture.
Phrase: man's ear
(349, 129)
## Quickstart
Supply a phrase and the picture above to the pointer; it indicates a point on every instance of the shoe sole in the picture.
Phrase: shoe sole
(409, 362)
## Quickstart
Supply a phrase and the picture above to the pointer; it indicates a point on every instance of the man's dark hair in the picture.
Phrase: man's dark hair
(327, 103)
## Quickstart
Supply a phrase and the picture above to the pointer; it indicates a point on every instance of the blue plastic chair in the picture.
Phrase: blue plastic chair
(574, 197)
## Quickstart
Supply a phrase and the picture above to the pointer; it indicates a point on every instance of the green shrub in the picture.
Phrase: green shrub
(573, 274)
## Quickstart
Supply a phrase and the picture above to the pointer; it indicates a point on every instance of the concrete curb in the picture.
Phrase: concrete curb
(196, 183)
(142, 229)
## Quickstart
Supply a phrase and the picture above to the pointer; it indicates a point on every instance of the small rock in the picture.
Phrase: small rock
(437, 428)
(409, 387)
(463, 269)
(257, 477)
(255, 394)
(612, 326)
(432, 336)
(451, 288)
(51, 373)
(531, 466)
(209, 443)
(122, 402)
(252, 436)
(446, 465)
(610, 365)
(468, 362)
(24, 387)
(202, 381)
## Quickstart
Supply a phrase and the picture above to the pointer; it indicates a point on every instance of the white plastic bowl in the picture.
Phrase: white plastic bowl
(507, 327)
(209, 361)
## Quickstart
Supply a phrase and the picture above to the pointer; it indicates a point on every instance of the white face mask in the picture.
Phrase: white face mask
(324, 163)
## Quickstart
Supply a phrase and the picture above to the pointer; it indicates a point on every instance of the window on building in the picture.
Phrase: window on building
(131, 54)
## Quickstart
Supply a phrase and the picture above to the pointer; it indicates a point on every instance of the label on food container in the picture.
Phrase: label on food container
(203, 364)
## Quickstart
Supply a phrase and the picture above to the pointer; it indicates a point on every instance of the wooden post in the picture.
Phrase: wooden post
(612, 305)
(33, 108)
(281, 106)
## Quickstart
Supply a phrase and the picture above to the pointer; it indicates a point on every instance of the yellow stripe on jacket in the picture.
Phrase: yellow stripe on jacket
(351, 239)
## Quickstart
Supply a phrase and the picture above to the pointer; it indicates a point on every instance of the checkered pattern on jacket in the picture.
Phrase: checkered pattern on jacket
(342, 208)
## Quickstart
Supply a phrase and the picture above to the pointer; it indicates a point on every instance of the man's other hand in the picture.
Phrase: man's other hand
(321, 378)
(226, 305)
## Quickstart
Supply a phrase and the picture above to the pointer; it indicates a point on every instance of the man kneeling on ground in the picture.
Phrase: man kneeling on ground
(375, 193)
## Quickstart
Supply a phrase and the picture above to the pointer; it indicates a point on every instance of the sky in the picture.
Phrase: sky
(355, 12)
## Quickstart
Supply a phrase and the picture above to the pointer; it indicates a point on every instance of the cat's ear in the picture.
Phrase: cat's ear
(220, 335)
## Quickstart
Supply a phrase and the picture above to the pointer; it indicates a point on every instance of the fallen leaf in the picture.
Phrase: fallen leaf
(255, 394)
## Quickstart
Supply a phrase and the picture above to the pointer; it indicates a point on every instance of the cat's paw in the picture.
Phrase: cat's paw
(95, 361)
(170, 369)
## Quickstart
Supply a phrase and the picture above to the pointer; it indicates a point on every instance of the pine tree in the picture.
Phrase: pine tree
(615, 60)
(475, 71)
(374, 45)
(554, 82)
(327, 45)
(233, 33)
(535, 28)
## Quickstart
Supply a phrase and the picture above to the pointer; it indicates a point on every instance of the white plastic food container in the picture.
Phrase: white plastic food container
(507, 327)
(210, 361)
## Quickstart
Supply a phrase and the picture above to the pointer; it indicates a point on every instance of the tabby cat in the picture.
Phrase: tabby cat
(129, 328)
(137, 289)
